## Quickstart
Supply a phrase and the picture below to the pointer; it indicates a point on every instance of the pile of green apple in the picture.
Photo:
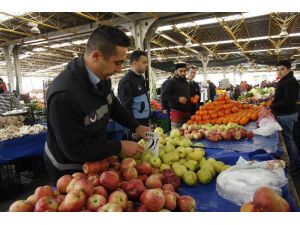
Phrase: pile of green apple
(189, 164)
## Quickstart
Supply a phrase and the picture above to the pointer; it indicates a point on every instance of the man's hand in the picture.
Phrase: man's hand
(130, 148)
(141, 130)
(182, 100)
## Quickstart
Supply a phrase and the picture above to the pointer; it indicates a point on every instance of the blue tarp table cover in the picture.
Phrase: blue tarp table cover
(26, 146)
(207, 197)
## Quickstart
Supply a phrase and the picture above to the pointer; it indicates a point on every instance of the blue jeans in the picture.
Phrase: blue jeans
(287, 123)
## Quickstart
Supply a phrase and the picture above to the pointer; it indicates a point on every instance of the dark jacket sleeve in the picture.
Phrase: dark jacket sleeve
(67, 124)
(168, 93)
(290, 91)
(122, 116)
(126, 96)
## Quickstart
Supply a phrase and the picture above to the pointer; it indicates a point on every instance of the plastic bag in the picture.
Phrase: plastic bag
(238, 183)
(266, 123)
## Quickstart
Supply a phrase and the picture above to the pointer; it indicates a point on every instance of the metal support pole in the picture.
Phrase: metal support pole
(151, 76)
(19, 86)
(9, 67)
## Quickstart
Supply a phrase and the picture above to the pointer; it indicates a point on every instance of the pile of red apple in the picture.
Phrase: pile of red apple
(110, 185)
(216, 133)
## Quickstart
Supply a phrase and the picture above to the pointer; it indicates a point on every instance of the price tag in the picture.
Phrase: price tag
(153, 143)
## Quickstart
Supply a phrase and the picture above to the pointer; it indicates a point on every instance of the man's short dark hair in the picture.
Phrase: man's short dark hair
(106, 39)
(192, 67)
(135, 55)
(285, 63)
(1, 79)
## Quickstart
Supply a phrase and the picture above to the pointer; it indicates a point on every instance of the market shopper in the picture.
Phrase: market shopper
(211, 90)
(132, 90)
(177, 94)
(80, 102)
(3, 85)
(194, 88)
(8, 101)
(285, 110)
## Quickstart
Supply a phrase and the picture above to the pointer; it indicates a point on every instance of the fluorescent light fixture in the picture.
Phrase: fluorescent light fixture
(65, 44)
(211, 21)
(80, 42)
(51, 68)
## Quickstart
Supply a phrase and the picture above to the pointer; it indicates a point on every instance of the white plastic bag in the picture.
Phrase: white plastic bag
(267, 126)
(239, 182)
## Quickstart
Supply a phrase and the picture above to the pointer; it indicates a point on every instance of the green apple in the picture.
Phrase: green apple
(146, 156)
(182, 161)
(218, 166)
(185, 142)
(170, 157)
(172, 142)
(204, 176)
(210, 167)
(190, 178)
(142, 142)
(195, 155)
(202, 162)
(200, 149)
(164, 166)
(189, 149)
(190, 165)
(162, 141)
(175, 164)
(177, 141)
(211, 160)
(161, 152)
(175, 133)
(161, 145)
(155, 161)
(179, 170)
(169, 148)
(182, 152)
(159, 130)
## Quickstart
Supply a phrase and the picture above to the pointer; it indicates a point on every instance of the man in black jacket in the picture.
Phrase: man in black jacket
(80, 102)
(194, 88)
(177, 93)
(211, 90)
(284, 107)
(132, 88)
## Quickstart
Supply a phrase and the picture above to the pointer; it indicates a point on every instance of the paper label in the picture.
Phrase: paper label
(153, 143)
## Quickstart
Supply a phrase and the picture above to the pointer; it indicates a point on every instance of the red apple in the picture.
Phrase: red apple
(59, 199)
(94, 179)
(104, 165)
(128, 162)
(21, 206)
(130, 207)
(70, 186)
(243, 133)
(95, 201)
(144, 168)
(73, 202)
(109, 180)
(110, 207)
(249, 134)
(143, 178)
(91, 167)
(142, 208)
(31, 199)
(46, 204)
(118, 197)
(85, 186)
(134, 188)
(174, 180)
(43, 191)
(186, 203)
(154, 200)
(63, 183)
(100, 190)
(153, 182)
(129, 173)
(78, 175)
(226, 135)
(143, 196)
(168, 187)
(112, 160)
(170, 200)
(237, 135)
(213, 137)
(155, 171)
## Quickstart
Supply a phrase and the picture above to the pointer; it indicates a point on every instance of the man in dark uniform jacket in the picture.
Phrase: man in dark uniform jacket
(80, 102)
(194, 88)
(285, 109)
(177, 93)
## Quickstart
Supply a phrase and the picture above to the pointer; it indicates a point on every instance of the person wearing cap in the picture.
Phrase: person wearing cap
(194, 88)
(285, 109)
(80, 103)
(177, 93)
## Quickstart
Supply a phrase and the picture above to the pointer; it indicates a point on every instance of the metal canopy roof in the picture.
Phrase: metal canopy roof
(226, 38)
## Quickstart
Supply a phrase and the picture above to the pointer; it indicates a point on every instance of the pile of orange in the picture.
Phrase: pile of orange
(223, 111)
(195, 99)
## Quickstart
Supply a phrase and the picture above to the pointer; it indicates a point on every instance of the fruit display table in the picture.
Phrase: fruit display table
(26, 146)
(206, 196)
